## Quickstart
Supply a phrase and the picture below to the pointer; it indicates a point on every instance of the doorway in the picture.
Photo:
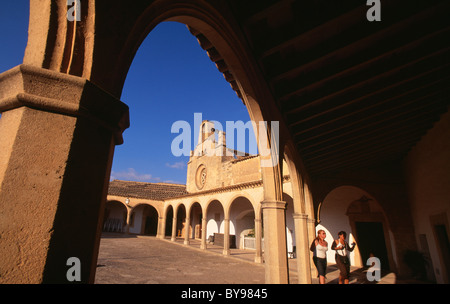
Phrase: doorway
(151, 222)
(371, 241)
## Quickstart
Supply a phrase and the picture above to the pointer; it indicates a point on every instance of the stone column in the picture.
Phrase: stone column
(187, 230)
(258, 241)
(57, 140)
(174, 229)
(226, 237)
(275, 247)
(162, 228)
(127, 228)
(160, 231)
(203, 244)
(302, 247)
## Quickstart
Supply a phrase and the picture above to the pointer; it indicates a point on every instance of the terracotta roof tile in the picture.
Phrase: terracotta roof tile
(153, 191)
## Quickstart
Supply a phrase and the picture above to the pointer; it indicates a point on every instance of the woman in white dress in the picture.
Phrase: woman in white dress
(320, 247)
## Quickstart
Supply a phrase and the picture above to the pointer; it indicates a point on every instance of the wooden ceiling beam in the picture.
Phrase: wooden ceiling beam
(374, 85)
(366, 158)
(350, 43)
(369, 141)
(407, 120)
(429, 91)
(331, 79)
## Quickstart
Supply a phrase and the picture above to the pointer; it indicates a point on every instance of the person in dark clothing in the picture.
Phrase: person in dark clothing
(342, 256)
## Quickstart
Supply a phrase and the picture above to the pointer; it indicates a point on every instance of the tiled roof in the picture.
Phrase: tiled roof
(153, 191)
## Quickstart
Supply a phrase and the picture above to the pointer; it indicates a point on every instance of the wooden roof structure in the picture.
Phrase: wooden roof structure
(353, 93)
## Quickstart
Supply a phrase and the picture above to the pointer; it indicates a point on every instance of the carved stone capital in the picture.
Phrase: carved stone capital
(273, 205)
(46, 90)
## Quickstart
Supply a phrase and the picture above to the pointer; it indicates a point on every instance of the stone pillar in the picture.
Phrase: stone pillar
(226, 237)
(187, 230)
(258, 241)
(203, 244)
(174, 229)
(302, 247)
(127, 228)
(160, 231)
(162, 228)
(56, 147)
(275, 247)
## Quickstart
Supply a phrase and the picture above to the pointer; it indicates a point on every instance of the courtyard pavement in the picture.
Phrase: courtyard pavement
(133, 259)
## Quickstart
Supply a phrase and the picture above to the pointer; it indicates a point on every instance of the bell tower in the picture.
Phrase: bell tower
(205, 161)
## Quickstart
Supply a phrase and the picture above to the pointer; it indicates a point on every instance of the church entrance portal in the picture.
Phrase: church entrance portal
(371, 241)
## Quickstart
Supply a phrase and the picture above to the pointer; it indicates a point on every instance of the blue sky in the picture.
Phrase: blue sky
(171, 78)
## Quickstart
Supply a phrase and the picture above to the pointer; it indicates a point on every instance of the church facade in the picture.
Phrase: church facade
(219, 203)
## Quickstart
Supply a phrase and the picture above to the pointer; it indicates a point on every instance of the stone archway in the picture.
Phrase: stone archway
(371, 231)
(145, 220)
(61, 93)
(290, 225)
(352, 209)
(215, 217)
(169, 215)
(242, 222)
(181, 228)
(115, 218)
(196, 216)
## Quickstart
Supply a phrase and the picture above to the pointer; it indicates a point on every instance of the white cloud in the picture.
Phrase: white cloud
(177, 165)
(132, 175)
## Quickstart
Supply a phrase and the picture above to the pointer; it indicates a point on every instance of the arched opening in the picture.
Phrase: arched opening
(369, 226)
(290, 225)
(144, 220)
(353, 210)
(181, 228)
(115, 218)
(196, 216)
(215, 223)
(169, 221)
(242, 223)
(167, 105)
(231, 59)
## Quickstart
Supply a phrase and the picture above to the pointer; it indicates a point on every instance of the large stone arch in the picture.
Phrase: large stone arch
(72, 93)
(144, 219)
(358, 213)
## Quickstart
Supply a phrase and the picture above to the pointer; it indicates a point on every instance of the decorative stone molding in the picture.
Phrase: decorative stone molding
(300, 216)
(46, 90)
(273, 205)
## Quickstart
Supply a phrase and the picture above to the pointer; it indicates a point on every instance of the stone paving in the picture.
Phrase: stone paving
(131, 259)
(148, 260)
